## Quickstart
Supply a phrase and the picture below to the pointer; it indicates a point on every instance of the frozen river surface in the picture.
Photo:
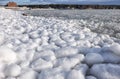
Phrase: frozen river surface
(59, 44)
(100, 21)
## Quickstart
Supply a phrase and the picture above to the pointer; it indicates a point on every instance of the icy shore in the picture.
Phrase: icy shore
(100, 21)
(51, 48)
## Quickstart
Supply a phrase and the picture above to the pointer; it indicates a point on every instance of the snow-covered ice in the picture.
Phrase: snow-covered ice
(12, 70)
(93, 58)
(66, 51)
(7, 55)
(74, 74)
(41, 64)
(115, 48)
(90, 77)
(73, 47)
(68, 62)
(28, 74)
(106, 71)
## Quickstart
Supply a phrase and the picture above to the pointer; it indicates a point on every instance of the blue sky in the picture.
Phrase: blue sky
(63, 1)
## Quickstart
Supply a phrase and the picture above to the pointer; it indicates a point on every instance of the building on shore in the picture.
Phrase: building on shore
(11, 4)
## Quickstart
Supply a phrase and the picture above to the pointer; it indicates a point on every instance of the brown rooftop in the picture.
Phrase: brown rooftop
(11, 4)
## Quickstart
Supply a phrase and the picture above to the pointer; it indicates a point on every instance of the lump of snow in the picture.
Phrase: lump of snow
(16, 41)
(82, 67)
(10, 78)
(95, 50)
(30, 55)
(118, 35)
(34, 35)
(19, 30)
(2, 75)
(72, 43)
(1, 38)
(12, 70)
(33, 45)
(54, 37)
(44, 33)
(24, 38)
(7, 55)
(55, 73)
(41, 64)
(81, 57)
(29, 74)
(110, 57)
(78, 36)
(93, 58)
(66, 36)
(46, 54)
(51, 46)
(38, 41)
(66, 51)
(106, 71)
(83, 43)
(21, 55)
(44, 40)
(24, 64)
(67, 63)
(75, 74)
(90, 77)
(115, 48)
(60, 43)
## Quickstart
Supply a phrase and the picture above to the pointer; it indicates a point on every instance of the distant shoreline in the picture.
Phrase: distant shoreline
(69, 6)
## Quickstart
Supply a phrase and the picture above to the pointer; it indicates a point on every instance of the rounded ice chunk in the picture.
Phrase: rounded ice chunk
(34, 35)
(66, 36)
(29, 74)
(24, 38)
(66, 51)
(55, 73)
(67, 63)
(106, 71)
(24, 64)
(13, 70)
(82, 67)
(10, 78)
(115, 48)
(7, 55)
(2, 75)
(78, 36)
(41, 64)
(75, 74)
(90, 77)
(110, 57)
(93, 58)
(1, 38)
(46, 54)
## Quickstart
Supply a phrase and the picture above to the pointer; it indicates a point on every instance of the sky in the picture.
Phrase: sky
(117, 2)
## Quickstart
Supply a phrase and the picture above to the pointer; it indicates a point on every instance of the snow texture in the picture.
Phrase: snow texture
(7, 55)
(60, 44)
(106, 71)
(93, 58)
(12, 70)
